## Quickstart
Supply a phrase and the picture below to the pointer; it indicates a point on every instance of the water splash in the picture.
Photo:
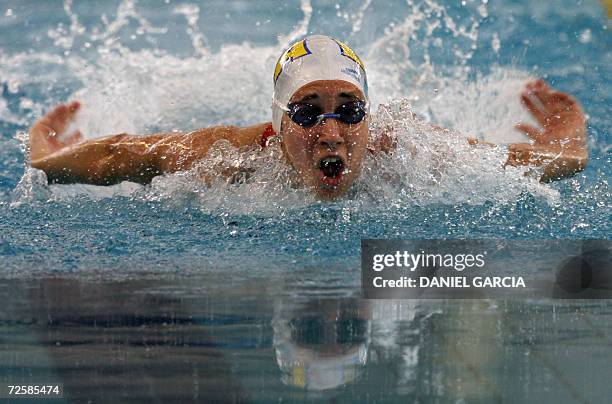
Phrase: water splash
(301, 29)
(415, 54)
(438, 166)
(145, 89)
(192, 15)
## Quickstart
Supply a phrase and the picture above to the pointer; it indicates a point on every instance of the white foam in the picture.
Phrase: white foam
(138, 91)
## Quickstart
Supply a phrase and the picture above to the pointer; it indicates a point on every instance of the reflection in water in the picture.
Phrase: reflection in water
(194, 339)
(321, 344)
(109, 341)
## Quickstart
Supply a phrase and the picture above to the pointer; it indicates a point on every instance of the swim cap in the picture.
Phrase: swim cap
(317, 57)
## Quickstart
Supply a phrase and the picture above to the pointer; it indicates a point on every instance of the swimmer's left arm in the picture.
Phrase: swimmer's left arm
(558, 163)
(560, 146)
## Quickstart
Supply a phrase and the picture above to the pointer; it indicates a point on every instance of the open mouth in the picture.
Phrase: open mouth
(332, 170)
(332, 167)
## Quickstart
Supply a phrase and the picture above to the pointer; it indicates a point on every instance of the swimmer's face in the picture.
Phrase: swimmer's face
(327, 156)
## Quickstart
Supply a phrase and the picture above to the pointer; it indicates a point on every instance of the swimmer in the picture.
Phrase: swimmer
(320, 111)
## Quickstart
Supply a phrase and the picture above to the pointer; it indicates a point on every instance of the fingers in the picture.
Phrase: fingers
(547, 99)
(537, 84)
(60, 117)
(552, 101)
(562, 102)
(74, 106)
(536, 110)
(532, 132)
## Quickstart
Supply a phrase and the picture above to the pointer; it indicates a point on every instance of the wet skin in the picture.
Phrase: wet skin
(559, 145)
(306, 147)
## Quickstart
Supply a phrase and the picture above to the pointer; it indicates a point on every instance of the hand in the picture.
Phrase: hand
(562, 120)
(561, 143)
(48, 136)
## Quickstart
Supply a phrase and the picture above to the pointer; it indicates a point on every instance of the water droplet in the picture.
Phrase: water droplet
(495, 43)
(585, 36)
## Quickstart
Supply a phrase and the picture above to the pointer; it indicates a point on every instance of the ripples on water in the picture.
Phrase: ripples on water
(178, 338)
(179, 291)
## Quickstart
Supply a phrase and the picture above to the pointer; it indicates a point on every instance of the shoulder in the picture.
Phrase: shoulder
(255, 135)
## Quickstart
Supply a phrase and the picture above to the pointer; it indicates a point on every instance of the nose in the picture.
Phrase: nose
(330, 136)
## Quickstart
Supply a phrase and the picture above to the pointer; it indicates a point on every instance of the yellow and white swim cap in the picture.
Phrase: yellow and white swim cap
(317, 57)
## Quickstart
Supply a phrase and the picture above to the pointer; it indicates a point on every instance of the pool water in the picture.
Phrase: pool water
(250, 292)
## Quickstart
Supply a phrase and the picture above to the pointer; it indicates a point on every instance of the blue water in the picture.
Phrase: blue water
(193, 280)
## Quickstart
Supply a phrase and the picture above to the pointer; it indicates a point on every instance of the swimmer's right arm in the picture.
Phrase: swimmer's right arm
(113, 159)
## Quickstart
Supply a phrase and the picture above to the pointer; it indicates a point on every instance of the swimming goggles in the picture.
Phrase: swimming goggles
(308, 115)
